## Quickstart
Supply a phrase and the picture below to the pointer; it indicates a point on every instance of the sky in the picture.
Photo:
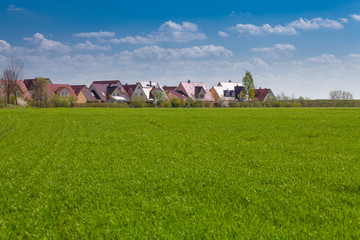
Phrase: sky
(300, 48)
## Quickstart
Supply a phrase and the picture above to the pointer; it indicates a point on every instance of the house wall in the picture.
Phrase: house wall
(81, 98)
(270, 96)
(215, 95)
(139, 92)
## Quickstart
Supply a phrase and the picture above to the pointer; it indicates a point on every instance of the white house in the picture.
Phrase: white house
(147, 90)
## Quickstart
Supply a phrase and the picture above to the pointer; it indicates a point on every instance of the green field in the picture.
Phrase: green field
(179, 173)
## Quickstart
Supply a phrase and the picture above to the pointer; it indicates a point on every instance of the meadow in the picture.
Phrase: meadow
(179, 173)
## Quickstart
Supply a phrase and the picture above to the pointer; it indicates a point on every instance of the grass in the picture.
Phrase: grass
(179, 173)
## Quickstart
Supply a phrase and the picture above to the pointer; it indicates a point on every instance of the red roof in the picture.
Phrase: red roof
(261, 94)
(54, 88)
(78, 88)
(21, 86)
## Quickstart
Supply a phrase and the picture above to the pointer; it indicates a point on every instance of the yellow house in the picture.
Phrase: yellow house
(78, 91)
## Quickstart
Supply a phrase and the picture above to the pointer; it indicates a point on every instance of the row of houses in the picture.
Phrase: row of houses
(115, 91)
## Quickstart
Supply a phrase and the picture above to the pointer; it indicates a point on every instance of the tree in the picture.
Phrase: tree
(40, 91)
(340, 95)
(11, 74)
(248, 90)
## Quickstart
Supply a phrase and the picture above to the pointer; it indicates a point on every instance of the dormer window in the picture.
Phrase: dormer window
(103, 94)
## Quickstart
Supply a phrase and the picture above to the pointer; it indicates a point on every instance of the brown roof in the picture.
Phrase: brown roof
(261, 94)
(168, 88)
(89, 95)
(112, 82)
(178, 94)
(127, 88)
(54, 88)
(29, 82)
(77, 88)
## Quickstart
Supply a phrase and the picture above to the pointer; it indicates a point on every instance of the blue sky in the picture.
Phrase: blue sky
(305, 48)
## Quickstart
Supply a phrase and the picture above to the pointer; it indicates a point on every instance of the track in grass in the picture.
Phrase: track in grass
(179, 173)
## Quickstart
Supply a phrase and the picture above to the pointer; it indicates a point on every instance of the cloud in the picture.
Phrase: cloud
(316, 23)
(356, 17)
(100, 34)
(4, 46)
(157, 52)
(343, 20)
(223, 34)
(13, 8)
(90, 46)
(290, 28)
(266, 28)
(324, 58)
(46, 44)
(167, 32)
(276, 47)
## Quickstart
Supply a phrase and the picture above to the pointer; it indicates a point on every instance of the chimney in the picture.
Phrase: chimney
(150, 84)
(189, 81)
(230, 80)
(260, 88)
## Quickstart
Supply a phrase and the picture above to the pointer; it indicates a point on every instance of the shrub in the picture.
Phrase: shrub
(167, 104)
(138, 102)
(175, 102)
(59, 101)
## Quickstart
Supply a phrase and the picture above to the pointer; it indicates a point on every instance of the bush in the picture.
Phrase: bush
(59, 101)
(138, 102)
(175, 102)
(167, 104)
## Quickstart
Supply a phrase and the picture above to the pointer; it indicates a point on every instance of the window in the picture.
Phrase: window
(1, 85)
(140, 94)
(103, 94)
(118, 94)
(64, 93)
(92, 94)
(201, 96)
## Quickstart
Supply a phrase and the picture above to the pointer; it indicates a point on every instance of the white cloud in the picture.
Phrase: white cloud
(290, 28)
(266, 28)
(223, 34)
(276, 47)
(167, 32)
(90, 46)
(4, 46)
(356, 17)
(100, 34)
(324, 58)
(15, 9)
(46, 44)
(157, 52)
(343, 20)
(315, 23)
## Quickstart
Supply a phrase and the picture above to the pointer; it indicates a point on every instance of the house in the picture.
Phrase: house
(195, 91)
(21, 90)
(147, 91)
(83, 94)
(29, 83)
(117, 83)
(264, 95)
(108, 93)
(129, 89)
(229, 91)
(172, 92)
(63, 90)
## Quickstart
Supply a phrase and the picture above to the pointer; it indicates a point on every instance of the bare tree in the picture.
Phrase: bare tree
(40, 91)
(12, 73)
(340, 95)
